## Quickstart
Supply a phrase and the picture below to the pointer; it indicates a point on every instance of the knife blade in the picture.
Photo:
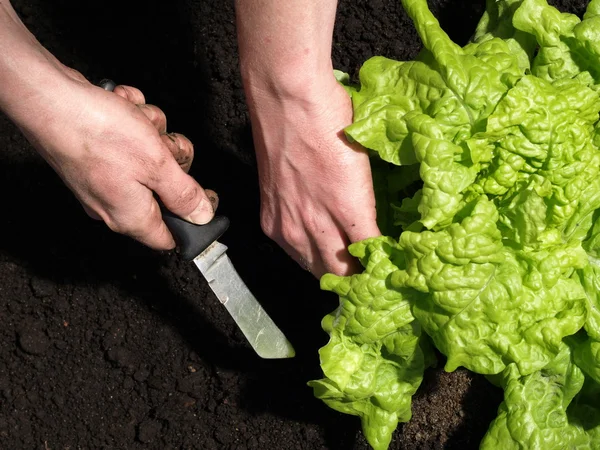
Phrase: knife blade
(265, 337)
(199, 243)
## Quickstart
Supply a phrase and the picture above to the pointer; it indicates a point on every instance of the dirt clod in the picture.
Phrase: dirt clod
(42, 287)
(32, 340)
(148, 430)
(121, 357)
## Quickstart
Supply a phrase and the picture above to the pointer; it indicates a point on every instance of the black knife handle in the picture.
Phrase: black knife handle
(107, 85)
(191, 239)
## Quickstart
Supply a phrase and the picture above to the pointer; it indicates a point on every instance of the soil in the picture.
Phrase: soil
(106, 344)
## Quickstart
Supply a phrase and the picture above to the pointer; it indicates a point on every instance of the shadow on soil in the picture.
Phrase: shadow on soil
(47, 231)
(55, 240)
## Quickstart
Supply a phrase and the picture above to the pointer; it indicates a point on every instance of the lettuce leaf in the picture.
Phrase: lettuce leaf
(376, 356)
(534, 412)
(486, 163)
(487, 305)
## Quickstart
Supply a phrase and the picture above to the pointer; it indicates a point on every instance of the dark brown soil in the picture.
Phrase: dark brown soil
(105, 344)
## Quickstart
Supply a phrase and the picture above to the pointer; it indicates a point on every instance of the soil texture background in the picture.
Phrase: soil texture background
(105, 344)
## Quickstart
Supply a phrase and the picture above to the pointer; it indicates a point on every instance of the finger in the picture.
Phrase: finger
(134, 95)
(360, 224)
(181, 148)
(138, 216)
(308, 258)
(90, 212)
(305, 252)
(213, 197)
(156, 116)
(334, 256)
(181, 194)
(361, 229)
(153, 232)
(355, 231)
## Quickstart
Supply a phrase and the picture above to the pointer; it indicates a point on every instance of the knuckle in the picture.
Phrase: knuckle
(136, 95)
(269, 223)
(294, 237)
(148, 111)
(74, 73)
(155, 114)
(159, 112)
(116, 225)
(129, 222)
(267, 228)
(183, 142)
(186, 198)
(285, 231)
(160, 159)
(133, 94)
(290, 235)
(135, 226)
(169, 143)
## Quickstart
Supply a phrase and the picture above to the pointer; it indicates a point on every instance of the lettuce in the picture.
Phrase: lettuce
(486, 162)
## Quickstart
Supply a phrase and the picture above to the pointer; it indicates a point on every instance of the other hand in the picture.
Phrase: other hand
(316, 188)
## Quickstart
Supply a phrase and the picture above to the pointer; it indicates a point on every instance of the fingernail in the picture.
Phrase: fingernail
(203, 213)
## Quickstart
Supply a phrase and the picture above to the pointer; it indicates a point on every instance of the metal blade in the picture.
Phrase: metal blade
(263, 335)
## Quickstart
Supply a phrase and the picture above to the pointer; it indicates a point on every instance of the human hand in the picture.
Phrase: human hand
(316, 188)
(114, 153)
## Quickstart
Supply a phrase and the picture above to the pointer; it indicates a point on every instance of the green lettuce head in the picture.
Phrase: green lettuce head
(486, 168)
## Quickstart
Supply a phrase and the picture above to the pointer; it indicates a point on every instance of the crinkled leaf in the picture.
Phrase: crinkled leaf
(498, 255)
(534, 412)
(587, 345)
(496, 22)
(466, 273)
(423, 111)
(374, 360)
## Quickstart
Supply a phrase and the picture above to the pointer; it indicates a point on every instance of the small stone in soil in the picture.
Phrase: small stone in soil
(211, 405)
(32, 341)
(187, 401)
(128, 383)
(141, 374)
(223, 436)
(41, 287)
(61, 345)
(148, 430)
(121, 357)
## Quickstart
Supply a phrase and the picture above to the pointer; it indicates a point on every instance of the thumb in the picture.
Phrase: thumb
(183, 196)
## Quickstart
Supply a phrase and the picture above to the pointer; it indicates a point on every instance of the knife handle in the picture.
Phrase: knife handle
(191, 239)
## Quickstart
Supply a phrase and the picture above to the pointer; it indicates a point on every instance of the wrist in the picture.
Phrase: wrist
(29, 88)
(289, 94)
(29, 74)
(34, 87)
(282, 123)
(290, 76)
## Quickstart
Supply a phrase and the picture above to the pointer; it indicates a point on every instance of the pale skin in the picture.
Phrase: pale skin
(316, 189)
(111, 150)
(115, 154)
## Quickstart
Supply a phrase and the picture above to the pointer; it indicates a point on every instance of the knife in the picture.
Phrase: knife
(198, 243)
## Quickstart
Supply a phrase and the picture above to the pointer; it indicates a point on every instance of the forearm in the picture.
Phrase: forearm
(284, 46)
(28, 72)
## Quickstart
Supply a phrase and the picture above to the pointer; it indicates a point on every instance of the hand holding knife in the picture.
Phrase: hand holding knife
(198, 243)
